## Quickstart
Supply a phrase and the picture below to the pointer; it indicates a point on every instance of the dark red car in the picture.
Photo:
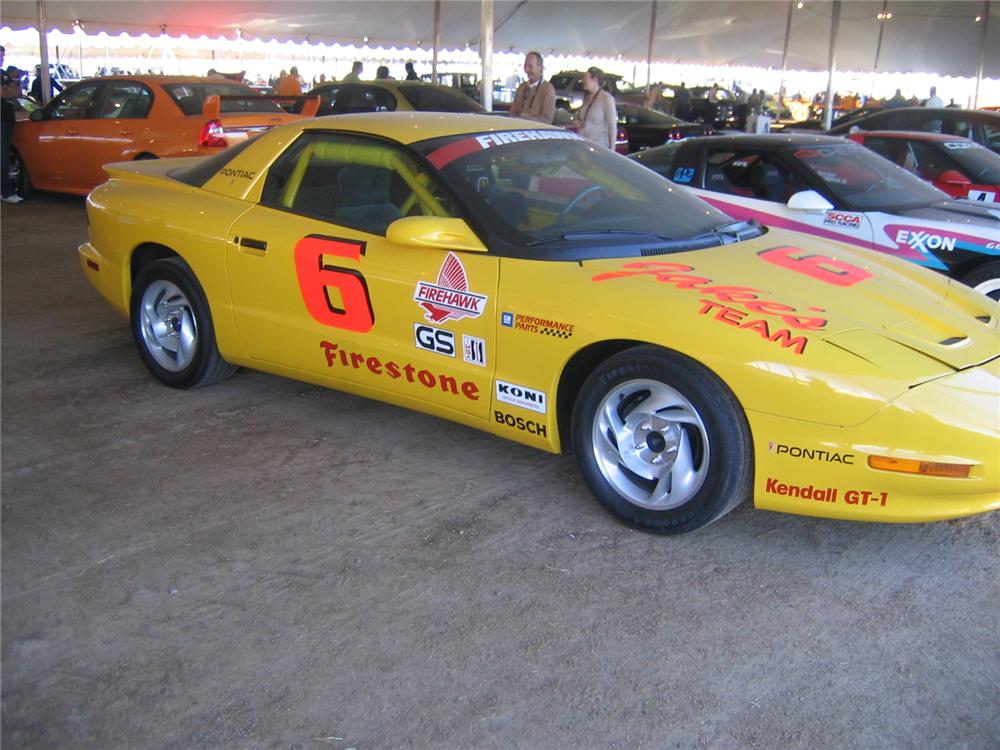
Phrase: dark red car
(958, 166)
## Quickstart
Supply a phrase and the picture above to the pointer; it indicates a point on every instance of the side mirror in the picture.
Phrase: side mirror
(809, 200)
(954, 177)
(434, 231)
(36, 115)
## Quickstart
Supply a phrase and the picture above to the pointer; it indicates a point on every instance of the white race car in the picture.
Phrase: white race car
(832, 188)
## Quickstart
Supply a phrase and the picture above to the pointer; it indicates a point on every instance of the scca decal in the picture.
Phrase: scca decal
(520, 423)
(429, 380)
(838, 219)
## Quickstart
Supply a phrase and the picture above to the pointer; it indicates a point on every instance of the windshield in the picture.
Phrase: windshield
(430, 98)
(539, 185)
(190, 97)
(864, 181)
(981, 165)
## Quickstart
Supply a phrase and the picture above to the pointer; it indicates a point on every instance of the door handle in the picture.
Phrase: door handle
(251, 243)
(72, 132)
(125, 132)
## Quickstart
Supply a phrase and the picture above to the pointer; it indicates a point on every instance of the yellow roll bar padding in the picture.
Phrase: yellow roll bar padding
(364, 155)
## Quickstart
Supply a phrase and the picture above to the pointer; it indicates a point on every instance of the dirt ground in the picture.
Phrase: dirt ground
(267, 564)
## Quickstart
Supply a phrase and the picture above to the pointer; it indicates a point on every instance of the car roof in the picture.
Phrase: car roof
(389, 83)
(910, 135)
(770, 140)
(941, 112)
(146, 78)
(412, 127)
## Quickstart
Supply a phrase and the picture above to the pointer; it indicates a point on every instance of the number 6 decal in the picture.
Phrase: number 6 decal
(315, 278)
(820, 267)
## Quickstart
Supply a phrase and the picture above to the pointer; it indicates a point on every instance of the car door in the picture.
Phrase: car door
(56, 154)
(318, 288)
(117, 124)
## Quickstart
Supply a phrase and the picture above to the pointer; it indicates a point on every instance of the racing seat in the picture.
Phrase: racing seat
(767, 182)
(365, 199)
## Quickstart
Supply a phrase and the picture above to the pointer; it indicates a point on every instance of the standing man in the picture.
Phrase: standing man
(411, 74)
(535, 98)
(355, 75)
(934, 100)
(290, 84)
(9, 90)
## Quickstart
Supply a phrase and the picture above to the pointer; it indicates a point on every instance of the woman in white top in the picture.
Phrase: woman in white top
(597, 120)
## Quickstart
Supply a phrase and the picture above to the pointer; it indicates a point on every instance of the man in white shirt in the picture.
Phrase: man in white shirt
(934, 101)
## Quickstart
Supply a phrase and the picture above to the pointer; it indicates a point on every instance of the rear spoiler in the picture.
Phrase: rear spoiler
(213, 103)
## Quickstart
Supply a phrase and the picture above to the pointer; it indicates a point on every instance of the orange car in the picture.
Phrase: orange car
(64, 146)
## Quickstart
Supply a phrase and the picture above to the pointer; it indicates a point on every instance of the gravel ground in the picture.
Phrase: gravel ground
(267, 564)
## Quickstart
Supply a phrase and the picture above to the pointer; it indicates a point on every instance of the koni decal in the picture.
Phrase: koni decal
(449, 298)
(826, 494)
(522, 396)
(810, 454)
(342, 357)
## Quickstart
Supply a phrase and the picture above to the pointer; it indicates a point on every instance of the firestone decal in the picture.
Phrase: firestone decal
(449, 298)
(431, 381)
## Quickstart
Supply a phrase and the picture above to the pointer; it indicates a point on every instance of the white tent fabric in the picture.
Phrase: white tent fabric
(930, 37)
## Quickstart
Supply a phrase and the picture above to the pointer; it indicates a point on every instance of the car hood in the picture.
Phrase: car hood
(964, 212)
(905, 319)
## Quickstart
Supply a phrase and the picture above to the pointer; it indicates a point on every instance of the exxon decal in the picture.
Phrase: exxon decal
(449, 298)
(924, 242)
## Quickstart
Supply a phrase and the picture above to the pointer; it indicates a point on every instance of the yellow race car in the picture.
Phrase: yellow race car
(517, 279)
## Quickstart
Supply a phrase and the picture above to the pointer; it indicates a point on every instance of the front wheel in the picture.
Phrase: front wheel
(172, 326)
(985, 279)
(19, 181)
(661, 441)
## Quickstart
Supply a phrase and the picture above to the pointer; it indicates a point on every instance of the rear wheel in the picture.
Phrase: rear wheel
(172, 326)
(661, 441)
(985, 279)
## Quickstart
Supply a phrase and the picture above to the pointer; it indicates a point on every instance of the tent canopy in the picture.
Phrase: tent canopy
(930, 37)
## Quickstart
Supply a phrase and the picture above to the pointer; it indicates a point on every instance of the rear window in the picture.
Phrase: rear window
(190, 97)
(430, 98)
(980, 164)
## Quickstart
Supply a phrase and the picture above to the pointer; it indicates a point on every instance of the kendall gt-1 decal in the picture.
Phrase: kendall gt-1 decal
(826, 494)
(450, 298)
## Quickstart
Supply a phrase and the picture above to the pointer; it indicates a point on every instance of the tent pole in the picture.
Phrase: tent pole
(486, 53)
(784, 60)
(43, 48)
(649, 50)
(982, 50)
(878, 46)
(834, 28)
(437, 40)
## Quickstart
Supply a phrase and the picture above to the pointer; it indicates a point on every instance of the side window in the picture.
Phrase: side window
(75, 103)
(327, 102)
(931, 162)
(377, 99)
(125, 100)
(752, 174)
(990, 136)
(895, 150)
(961, 127)
(351, 180)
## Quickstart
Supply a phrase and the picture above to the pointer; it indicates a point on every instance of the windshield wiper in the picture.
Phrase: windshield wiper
(569, 236)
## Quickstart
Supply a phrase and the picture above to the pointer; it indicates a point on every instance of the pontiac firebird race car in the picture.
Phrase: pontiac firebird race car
(516, 279)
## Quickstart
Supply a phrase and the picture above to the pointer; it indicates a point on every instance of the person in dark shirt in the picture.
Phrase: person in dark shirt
(36, 86)
(682, 103)
(10, 89)
(896, 101)
(411, 74)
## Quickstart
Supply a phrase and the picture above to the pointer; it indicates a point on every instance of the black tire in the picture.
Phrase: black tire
(172, 326)
(683, 425)
(985, 279)
(19, 179)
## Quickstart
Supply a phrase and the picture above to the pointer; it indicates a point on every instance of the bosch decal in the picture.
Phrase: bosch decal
(449, 298)
(810, 454)
(519, 423)
(431, 339)
(544, 326)
(826, 494)
(335, 355)
(519, 395)
(474, 350)
(840, 219)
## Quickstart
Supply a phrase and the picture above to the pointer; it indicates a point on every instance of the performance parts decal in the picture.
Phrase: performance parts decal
(535, 324)
(449, 298)
(340, 357)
